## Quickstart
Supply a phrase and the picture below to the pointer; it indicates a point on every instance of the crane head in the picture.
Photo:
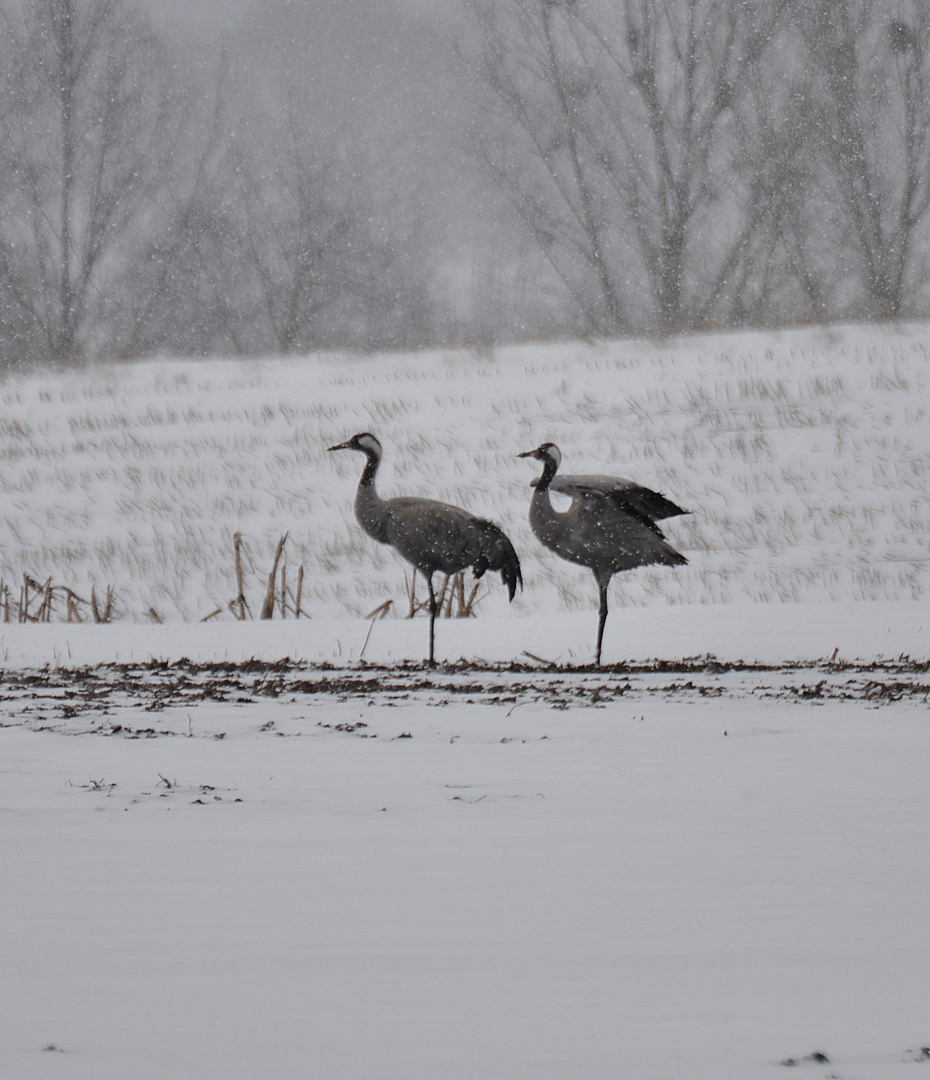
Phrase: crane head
(546, 452)
(365, 441)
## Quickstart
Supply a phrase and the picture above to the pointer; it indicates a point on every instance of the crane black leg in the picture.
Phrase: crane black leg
(602, 619)
(432, 617)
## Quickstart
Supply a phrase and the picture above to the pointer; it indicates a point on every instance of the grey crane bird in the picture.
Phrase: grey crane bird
(610, 525)
(431, 535)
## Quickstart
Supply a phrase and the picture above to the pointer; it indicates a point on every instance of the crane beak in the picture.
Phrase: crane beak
(341, 446)
(530, 453)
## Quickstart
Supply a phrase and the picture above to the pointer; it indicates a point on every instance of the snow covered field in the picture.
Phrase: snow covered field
(218, 864)
(803, 456)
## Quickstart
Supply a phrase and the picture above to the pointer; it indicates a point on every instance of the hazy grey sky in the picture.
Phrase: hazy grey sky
(212, 18)
(381, 75)
(208, 17)
(384, 55)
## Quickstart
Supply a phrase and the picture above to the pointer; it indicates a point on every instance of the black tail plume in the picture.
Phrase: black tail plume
(497, 553)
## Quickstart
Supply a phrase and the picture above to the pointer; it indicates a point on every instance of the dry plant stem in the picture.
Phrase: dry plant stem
(268, 605)
(102, 614)
(240, 606)
(300, 591)
(441, 598)
(381, 609)
(282, 600)
(452, 602)
(46, 593)
(469, 607)
(74, 610)
(413, 596)
(378, 613)
(538, 659)
(45, 608)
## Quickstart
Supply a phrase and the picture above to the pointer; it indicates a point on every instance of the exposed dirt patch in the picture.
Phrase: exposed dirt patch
(114, 699)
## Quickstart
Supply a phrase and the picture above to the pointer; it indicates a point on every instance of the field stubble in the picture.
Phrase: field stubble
(802, 455)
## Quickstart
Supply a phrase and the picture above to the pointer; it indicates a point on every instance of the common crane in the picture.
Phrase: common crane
(609, 527)
(431, 535)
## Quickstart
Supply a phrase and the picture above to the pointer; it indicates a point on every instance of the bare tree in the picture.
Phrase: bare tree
(625, 150)
(867, 109)
(85, 135)
(193, 291)
(532, 142)
(325, 237)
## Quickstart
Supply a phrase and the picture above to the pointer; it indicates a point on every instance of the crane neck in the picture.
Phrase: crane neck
(543, 516)
(550, 468)
(546, 522)
(369, 509)
(372, 461)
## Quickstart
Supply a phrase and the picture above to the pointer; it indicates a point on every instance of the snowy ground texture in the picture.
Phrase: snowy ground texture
(238, 850)
(803, 455)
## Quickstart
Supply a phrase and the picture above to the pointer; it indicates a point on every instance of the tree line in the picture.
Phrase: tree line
(693, 163)
(149, 206)
(640, 166)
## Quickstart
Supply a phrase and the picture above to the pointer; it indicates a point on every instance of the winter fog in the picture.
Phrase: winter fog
(254, 179)
(246, 831)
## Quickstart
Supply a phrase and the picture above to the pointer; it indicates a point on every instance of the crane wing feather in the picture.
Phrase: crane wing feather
(631, 496)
